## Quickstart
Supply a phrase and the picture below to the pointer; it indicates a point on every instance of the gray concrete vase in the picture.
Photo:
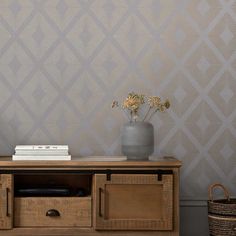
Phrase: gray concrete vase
(137, 140)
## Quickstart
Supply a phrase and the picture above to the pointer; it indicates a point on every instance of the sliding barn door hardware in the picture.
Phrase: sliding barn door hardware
(159, 173)
(108, 174)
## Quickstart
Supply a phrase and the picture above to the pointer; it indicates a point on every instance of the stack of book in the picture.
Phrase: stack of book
(41, 152)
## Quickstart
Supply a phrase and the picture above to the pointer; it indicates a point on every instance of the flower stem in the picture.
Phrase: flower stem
(153, 114)
(127, 115)
(147, 114)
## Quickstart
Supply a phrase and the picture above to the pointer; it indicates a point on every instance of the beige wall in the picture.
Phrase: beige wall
(63, 62)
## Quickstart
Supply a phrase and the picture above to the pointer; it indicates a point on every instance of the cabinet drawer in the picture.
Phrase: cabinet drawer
(52, 211)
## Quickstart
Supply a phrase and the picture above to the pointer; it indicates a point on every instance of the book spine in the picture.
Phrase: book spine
(41, 147)
(51, 147)
(24, 147)
(41, 158)
(43, 153)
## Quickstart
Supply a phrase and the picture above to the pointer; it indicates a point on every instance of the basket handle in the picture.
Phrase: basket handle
(210, 190)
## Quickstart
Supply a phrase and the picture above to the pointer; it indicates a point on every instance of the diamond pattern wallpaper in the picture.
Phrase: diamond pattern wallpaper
(62, 62)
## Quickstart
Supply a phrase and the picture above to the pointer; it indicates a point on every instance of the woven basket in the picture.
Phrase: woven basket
(221, 213)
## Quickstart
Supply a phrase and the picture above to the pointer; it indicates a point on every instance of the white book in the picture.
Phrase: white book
(40, 158)
(43, 153)
(42, 147)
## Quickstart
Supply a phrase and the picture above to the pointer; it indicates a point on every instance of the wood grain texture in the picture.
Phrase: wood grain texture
(89, 163)
(80, 232)
(131, 202)
(101, 163)
(31, 212)
(6, 201)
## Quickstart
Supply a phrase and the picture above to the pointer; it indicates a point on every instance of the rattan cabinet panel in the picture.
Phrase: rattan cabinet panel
(134, 202)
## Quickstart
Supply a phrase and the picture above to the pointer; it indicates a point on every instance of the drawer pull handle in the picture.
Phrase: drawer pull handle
(53, 213)
(7, 204)
(100, 203)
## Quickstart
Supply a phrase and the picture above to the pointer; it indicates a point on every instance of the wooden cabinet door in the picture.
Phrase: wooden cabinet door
(6, 201)
(133, 202)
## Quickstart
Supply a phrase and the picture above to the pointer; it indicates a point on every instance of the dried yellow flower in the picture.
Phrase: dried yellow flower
(114, 104)
(167, 104)
(134, 101)
(154, 101)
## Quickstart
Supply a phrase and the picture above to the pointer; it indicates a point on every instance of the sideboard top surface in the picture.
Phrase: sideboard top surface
(91, 162)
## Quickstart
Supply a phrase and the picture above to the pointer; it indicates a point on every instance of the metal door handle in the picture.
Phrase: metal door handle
(100, 202)
(53, 213)
(7, 204)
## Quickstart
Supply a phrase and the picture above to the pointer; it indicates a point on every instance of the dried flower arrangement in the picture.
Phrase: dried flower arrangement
(132, 104)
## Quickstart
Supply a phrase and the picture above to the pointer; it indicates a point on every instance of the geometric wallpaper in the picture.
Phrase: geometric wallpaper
(62, 63)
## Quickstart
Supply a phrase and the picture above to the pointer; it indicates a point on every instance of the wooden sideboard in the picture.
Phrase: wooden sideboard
(122, 198)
